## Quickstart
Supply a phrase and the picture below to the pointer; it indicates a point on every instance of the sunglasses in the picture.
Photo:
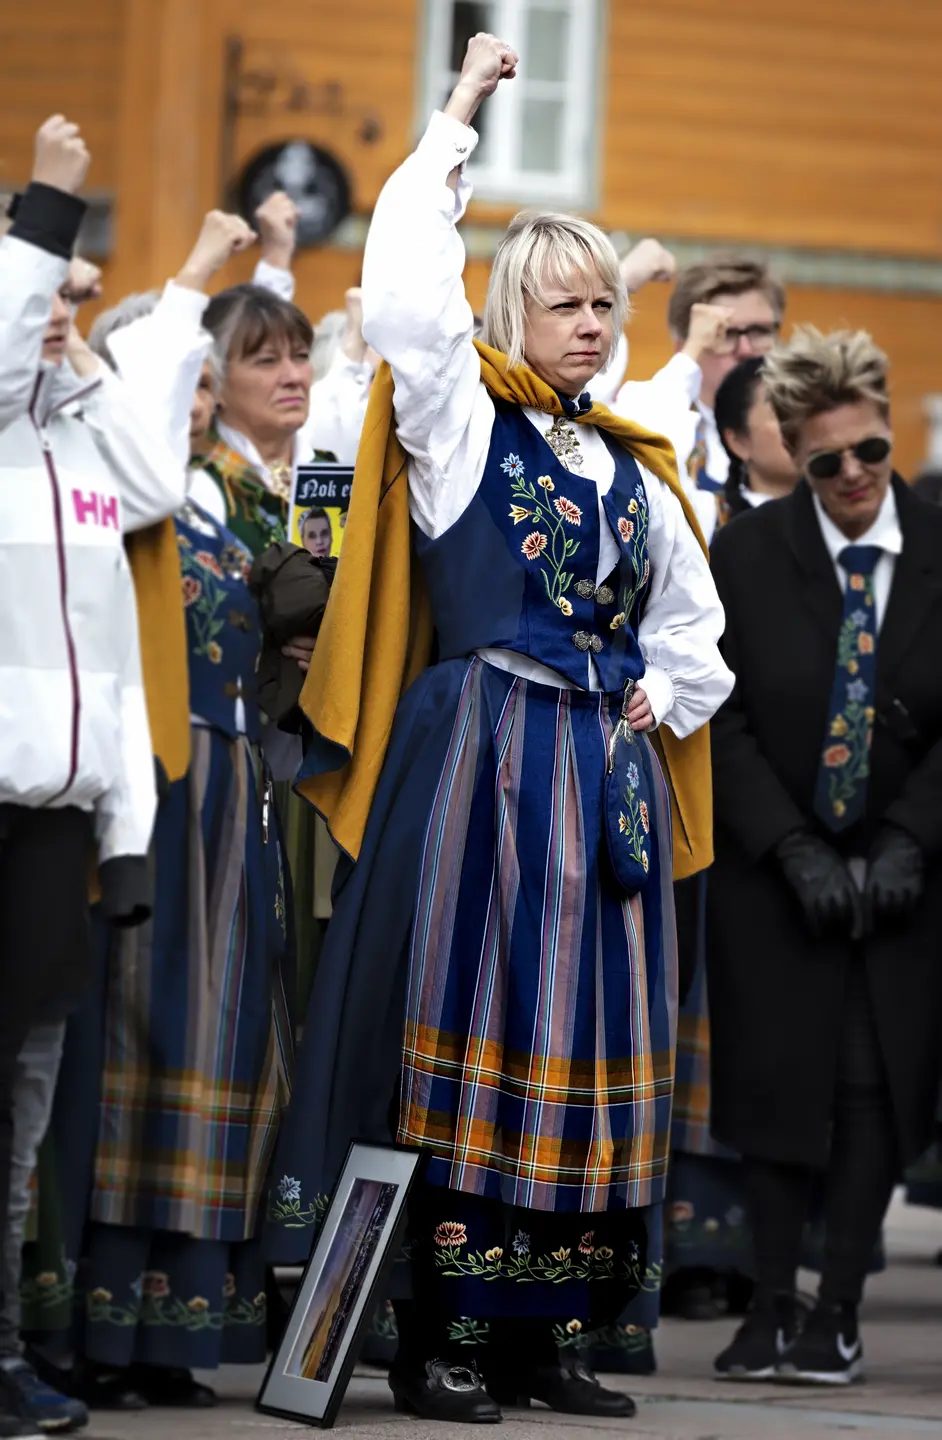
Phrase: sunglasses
(827, 463)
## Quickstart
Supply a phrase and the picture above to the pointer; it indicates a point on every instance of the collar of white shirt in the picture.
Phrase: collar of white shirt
(885, 531)
(244, 447)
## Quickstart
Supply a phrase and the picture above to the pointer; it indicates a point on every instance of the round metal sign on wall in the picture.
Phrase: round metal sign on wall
(315, 180)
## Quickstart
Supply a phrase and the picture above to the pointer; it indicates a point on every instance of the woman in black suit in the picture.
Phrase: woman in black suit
(825, 903)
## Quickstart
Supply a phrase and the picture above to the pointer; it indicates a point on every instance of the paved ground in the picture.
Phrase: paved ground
(903, 1394)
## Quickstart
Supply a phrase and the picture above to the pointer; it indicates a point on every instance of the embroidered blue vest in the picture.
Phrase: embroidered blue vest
(518, 570)
(223, 636)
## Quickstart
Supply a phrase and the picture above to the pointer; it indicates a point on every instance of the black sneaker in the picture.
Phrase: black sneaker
(761, 1342)
(44, 1408)
(828, 1351)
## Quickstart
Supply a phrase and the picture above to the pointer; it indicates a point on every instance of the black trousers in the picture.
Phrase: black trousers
(863, 1168)
(45, 949)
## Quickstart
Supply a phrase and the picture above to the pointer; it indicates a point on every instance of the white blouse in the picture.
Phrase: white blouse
(416, 315)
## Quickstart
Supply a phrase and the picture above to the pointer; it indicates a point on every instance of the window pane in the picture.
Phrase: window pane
(468, 17)
(547, 39)
(541, 135)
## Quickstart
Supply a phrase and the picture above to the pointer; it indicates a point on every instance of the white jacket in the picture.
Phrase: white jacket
(79, 467)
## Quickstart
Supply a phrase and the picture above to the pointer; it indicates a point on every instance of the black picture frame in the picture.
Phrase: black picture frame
(342, 1284)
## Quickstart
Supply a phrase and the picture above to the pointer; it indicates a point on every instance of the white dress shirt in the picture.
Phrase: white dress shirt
(416, 315)
(670, 403)
(885, 533)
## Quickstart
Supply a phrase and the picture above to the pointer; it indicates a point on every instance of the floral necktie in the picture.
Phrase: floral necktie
(697, 460)
(840, 795)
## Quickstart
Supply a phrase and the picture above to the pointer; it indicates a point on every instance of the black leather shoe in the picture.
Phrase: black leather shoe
(442, 1391)
(171, 1386)
(569, 1388)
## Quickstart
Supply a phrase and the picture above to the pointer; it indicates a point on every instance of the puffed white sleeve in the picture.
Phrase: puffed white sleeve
(685, 678)
(417, 317)
(338, 409)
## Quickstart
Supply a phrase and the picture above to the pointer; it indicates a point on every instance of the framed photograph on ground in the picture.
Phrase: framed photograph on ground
(341, 1286)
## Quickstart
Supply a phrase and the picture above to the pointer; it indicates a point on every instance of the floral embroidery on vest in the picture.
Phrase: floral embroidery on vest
(549, 545)
(633, 531)
(636, 823)
(201, 593)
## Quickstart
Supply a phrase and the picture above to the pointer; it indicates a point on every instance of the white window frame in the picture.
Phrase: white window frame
(502, 180)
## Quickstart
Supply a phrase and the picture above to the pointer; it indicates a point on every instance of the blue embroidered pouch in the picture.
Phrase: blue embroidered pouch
(629, 805)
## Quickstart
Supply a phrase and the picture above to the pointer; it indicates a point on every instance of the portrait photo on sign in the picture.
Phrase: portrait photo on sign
(319, 507)
(339, 1290)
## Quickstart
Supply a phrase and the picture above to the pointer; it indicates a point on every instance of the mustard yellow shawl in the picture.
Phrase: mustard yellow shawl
(155, 566)
(377, 631)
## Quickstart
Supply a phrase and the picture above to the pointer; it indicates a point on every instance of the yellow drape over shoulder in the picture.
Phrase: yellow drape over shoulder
(377, 631)
(155, 566)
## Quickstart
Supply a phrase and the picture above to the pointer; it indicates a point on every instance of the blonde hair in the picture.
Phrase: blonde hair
(540, 251)
(815, 372)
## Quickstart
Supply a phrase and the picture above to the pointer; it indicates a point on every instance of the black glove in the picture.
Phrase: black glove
(895, 876)
(822, 882)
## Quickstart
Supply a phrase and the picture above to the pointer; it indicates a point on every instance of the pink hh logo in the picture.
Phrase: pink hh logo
(96, 509)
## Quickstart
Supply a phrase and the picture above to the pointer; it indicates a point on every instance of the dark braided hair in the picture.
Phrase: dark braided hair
(734, 399)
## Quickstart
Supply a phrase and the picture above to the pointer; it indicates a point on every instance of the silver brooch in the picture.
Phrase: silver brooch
(562, 440)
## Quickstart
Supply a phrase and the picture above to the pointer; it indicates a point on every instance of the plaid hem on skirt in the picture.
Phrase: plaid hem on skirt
(538, 1058)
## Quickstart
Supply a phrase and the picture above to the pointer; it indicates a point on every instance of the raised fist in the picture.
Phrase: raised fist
(61, 157)
(707, 331)
(277, 221)
(487, 61)
(648, 260)
(83, 282)
(221, 237)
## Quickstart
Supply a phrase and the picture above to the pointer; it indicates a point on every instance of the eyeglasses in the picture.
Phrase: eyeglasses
(761, 339)
(827, 463)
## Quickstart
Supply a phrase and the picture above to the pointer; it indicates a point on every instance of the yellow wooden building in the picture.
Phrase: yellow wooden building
(809, 132)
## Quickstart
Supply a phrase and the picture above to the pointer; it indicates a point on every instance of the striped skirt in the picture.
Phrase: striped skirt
(197, 1040)
(538, 1055)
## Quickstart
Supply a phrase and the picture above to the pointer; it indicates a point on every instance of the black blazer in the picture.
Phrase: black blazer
(775, 995)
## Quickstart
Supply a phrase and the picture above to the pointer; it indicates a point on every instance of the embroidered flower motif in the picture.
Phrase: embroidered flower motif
(102, 1295)
(857, 690)
(521, 1243)
(184, 542)
(71, 1269)
(561, 1255)
(534, 545)
(626, 529)
(450, 1232)
(857, 582)
(569, 511)
(633, 1252)
(644, 861)
(645, 819)
(289, 1188)
(735, 1216)
(623, 824)
(852, 667)
(197, 1304)
(209, 562)
(836, 755)
(518, 513)
(228, 1287)
(680, 1211)
(865, 643)
(859, 618)
(136, 1287)
(839, 808)
(495, 1254)
(261, 1301)
(618, 622)
(585, 1244)
(869, 713)
(156, 1283)
(646, 572)
(574, 1327)
(604, 1253)
(513, 466)
(214, 652)
(711, 1226)
(839, 727)
(564, 605)
(47, 1278)
(634, 778)
(548, 485)
(192, 590)
(632, 507)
